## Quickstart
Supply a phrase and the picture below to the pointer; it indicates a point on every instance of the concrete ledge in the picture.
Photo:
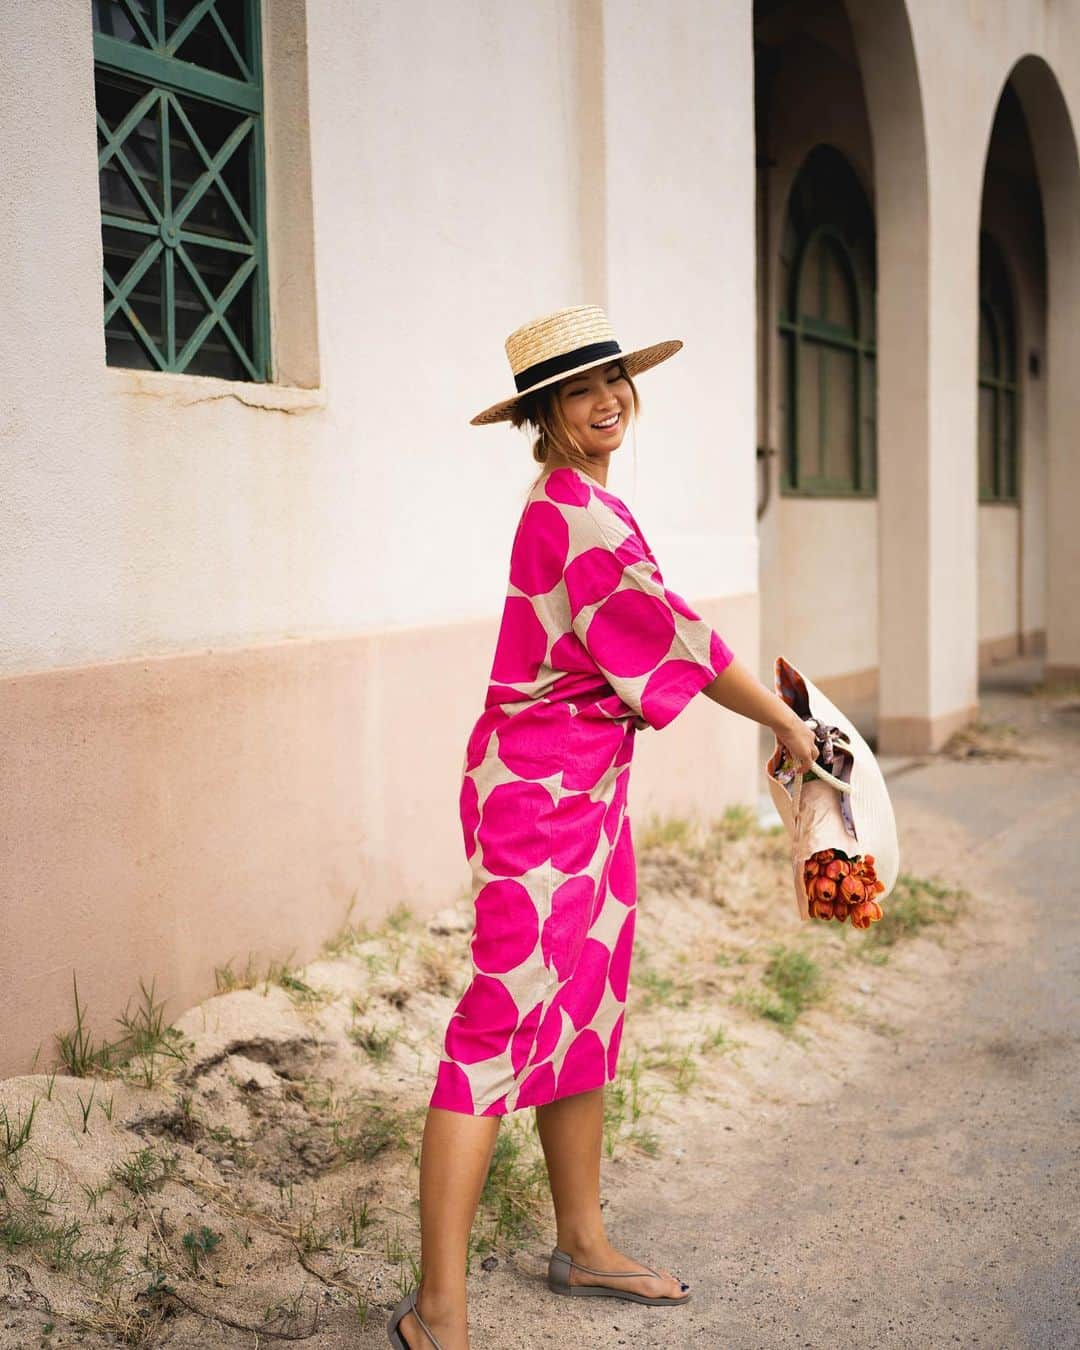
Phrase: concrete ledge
(921, 735)
(1062, 674)
(183, 391)
(860, 686)
(994, 650)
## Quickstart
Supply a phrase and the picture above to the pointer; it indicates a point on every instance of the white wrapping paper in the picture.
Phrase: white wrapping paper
(811, 810)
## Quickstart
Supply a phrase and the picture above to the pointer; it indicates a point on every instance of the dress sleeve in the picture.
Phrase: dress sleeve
(653, 649)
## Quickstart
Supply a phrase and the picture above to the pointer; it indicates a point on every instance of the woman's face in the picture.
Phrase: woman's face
(597, 405)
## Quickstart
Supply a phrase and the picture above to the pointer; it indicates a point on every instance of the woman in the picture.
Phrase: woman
(592, 648)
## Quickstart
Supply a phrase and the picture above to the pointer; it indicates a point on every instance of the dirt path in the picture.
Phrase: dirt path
(893, 1164)
(932, 1196)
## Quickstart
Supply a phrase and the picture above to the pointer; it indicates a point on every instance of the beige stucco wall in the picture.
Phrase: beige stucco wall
(163, 816)
(999, 571)
(829, 569)
(470, 166)
(245, 629)
(816, 97)
(965, 56)
(930, 77)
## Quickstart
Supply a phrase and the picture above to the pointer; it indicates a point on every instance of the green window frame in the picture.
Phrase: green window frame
(181, 163)
(998, 389)
(828, 355)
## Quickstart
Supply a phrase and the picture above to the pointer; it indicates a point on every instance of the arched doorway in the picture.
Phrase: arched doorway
(1054, 153)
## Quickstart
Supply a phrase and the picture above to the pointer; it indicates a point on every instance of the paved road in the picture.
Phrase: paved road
(934, 1199)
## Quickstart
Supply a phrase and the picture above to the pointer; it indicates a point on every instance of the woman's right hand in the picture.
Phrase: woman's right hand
(797, 739)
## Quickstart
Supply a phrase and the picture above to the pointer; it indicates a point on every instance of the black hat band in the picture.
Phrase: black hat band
(555, 365)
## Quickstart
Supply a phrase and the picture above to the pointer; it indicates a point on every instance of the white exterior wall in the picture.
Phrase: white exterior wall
(680, 228)
(455, 185)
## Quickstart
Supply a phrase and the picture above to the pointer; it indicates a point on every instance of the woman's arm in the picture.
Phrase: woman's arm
(736, 688)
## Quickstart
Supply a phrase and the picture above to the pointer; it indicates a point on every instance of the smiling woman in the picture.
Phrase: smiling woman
(593, 648)
(583, 419)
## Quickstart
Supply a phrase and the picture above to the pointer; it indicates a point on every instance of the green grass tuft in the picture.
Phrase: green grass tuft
(15, 1134)
(199, 1242)
(792, 982)
(515, 1186)
(147, 1038)
(736, 823)
(914, 904)
(665, 832)
(377, 1044)
(145, 1171)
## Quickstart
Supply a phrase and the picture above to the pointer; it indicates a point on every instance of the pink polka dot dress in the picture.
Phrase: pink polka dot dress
(592, 648)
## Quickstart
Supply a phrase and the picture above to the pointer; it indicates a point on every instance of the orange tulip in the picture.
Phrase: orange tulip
(843, 888)
(863, 915)
(821, 888)
(852, 889)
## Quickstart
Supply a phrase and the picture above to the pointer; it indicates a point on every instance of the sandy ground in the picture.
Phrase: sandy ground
(897, 1165)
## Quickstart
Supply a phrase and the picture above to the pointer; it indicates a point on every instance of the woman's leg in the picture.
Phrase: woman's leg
(571, 1131)
(454, 1159)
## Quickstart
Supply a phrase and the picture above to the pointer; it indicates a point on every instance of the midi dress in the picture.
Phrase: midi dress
(591, 649)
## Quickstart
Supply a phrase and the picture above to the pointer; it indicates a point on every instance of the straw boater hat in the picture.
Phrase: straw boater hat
(549, 349)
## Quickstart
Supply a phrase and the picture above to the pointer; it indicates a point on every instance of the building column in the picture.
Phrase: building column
(926, 335)
(1053, 138)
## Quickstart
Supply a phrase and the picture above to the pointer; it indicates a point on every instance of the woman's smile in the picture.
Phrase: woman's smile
(596, 405)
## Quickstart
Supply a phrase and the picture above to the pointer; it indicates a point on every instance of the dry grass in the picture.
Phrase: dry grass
(278, 1130)
(986, 740)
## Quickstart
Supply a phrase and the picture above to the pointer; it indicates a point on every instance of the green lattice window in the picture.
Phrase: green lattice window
(827, 378)
(180, 157)
(998, 452)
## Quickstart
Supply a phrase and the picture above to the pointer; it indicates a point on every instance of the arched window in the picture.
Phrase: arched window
(827, 323)
(998, 459)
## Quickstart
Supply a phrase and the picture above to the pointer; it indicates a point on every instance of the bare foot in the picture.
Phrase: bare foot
(609, 1259)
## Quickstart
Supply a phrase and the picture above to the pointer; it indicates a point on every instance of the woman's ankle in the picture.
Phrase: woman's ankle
(445, 1302)
(582, 1242)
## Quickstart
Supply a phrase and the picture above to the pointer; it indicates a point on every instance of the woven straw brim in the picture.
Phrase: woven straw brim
(633, 363)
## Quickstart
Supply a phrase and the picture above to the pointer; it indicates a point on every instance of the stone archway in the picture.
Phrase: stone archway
(1053, 138)
(925, 691)
(1011, 413)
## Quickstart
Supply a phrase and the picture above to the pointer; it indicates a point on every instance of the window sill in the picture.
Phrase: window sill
(183, 390)
(828, 494)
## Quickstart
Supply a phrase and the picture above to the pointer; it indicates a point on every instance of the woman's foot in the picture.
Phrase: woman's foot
(450, 1326)
(608, 1258)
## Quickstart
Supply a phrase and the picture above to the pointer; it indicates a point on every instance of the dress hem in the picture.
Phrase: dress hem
(484, 1109)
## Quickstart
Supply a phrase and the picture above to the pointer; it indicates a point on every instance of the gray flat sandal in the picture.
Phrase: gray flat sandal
(406, 1306)
(559, 1281)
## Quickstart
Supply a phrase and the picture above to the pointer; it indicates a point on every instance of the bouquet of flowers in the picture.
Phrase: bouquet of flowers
(844, 852)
